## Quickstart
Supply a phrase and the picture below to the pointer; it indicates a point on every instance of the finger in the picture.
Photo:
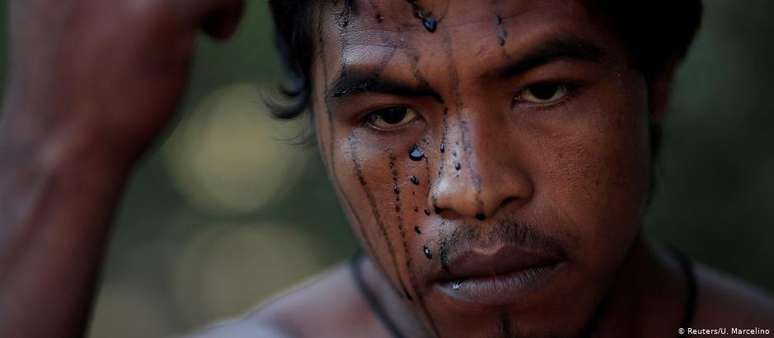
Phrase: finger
(218, 18)
(222, 22)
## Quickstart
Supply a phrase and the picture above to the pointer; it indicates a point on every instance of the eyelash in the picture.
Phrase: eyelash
(365, 119)
(571, 88)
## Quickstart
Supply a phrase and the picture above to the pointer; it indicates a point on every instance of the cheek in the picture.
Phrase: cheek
(384, 190)
(599, 176)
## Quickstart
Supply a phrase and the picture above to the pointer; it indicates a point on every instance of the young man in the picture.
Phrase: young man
(494, 159)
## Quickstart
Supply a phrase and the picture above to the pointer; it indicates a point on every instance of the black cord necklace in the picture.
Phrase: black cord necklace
(370, 297)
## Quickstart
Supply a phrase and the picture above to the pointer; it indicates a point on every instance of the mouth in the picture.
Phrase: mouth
(498, 276)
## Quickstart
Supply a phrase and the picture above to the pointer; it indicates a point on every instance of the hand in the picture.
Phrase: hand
(91, 83)
(103, 75)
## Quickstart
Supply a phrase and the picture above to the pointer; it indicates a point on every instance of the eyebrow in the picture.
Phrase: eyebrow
(560, 48)
(356, 81)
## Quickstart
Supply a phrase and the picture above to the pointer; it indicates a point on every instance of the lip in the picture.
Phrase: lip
(498, 276)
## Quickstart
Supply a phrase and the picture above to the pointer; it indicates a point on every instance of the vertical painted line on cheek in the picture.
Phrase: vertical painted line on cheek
(343, 23)
(427, 179)
(409, 265)
(409, 260)
(353, 145)
(504, 329)
(331, 141)
(401, 227)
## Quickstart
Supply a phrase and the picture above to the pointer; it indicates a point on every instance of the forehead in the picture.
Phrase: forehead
(474, 37)
(473, 29)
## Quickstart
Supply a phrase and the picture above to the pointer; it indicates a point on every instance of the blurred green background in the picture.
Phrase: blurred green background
(223, 213)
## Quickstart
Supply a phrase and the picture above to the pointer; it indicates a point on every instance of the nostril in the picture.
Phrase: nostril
(507, 201)
(480, 216)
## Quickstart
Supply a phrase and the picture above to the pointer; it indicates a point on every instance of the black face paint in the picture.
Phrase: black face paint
(428, 21)
(375, 211)
(427, 170)
(321, 46)
(453, 76)
(382, 64)
(416, 153)
(428, 252)
(504, 326)
(409, 259)
(342, 19)
(502, 33)
(401, 228)
(430, 24)
(444, 135)
(414, 180)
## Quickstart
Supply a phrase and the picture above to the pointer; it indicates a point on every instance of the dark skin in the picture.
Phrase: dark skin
(406, 114)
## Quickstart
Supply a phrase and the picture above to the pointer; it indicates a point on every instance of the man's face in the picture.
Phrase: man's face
(492, 156)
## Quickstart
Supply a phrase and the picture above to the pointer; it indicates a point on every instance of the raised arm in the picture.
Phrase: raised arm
(91, 83)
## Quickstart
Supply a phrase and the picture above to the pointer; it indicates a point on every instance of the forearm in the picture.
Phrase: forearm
(56, 203)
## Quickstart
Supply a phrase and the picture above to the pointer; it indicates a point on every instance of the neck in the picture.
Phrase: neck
(647, 297)
(400, 312)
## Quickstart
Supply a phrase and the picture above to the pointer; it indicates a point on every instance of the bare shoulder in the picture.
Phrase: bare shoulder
(328, 305)
(724, 301)
(239, 328)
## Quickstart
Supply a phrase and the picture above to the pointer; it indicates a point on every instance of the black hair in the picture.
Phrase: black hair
(655, 33)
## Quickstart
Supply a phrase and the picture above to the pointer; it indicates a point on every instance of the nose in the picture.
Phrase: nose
(480, 173)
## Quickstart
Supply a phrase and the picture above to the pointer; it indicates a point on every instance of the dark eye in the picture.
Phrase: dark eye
(391, 118)
(542, 93)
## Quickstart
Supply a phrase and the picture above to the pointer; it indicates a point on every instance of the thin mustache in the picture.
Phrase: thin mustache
(503, 231)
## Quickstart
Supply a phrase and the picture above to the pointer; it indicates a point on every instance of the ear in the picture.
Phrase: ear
(660, 90)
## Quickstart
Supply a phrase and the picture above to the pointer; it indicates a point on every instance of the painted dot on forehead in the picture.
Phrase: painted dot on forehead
(502, 34)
